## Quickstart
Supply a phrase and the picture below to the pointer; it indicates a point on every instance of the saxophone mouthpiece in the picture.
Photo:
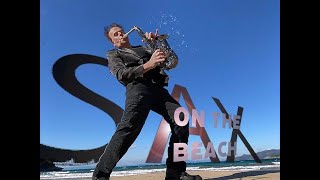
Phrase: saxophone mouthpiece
(125, 35)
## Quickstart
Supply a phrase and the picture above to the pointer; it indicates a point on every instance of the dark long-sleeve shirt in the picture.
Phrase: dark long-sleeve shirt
(127, 65)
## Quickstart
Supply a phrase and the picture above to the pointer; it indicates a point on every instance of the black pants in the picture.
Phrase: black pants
(141, 97)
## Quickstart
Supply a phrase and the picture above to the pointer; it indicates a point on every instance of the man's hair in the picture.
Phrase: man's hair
(107, 29)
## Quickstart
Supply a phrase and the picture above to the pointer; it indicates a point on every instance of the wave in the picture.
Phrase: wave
(59, 175)
(236, 168)
(88, 174)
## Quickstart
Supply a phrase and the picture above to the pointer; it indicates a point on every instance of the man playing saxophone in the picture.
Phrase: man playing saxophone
(138, 69)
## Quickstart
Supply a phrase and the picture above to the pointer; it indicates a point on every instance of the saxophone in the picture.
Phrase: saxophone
(161, 43)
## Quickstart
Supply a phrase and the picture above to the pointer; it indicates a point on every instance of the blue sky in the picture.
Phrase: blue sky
(227, 49)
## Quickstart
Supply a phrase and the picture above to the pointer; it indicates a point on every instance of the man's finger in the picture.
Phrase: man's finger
(160, 60)
(156, 33)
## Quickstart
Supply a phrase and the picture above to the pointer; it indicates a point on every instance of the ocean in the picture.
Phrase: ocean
(85, 171)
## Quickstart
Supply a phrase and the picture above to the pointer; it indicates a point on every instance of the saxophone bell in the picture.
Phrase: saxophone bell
(160, 42)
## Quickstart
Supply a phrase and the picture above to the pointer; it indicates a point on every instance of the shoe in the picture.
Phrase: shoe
(186, 176)
(182, 176)
(101, 176)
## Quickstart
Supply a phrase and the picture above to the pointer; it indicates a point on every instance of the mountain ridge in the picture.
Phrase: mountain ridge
(265, 154)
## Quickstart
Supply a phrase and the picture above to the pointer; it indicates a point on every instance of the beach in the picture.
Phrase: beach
(268, 169)
(211, 175)
(207, 175)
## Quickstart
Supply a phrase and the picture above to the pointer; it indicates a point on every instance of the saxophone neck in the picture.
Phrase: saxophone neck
(141, 33)
(149, 43)
(135, 28)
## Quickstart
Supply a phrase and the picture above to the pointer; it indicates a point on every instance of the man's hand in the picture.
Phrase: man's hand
(155, 60)
(151, 36)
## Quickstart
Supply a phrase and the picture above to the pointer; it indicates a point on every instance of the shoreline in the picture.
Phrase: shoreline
(273, 174)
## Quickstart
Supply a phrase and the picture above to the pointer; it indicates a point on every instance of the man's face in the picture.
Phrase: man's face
(116, 34)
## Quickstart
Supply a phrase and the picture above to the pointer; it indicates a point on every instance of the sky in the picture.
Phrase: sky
(227, 49)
